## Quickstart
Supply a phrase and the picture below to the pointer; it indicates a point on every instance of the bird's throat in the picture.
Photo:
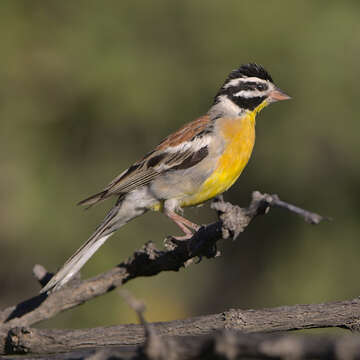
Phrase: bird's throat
(252, 113)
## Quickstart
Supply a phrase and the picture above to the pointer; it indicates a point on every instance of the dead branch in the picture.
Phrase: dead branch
(227, 345)
(342, 314)
(148, 261)
(230, 345)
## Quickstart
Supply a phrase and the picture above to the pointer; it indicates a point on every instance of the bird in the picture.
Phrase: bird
(201, 160)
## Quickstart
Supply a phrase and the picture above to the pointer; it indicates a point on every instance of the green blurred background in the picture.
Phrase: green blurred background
(88, 87)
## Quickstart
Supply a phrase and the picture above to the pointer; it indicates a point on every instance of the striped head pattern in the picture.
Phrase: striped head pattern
(247, 87)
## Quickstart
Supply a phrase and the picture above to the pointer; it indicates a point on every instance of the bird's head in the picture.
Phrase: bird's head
(250, 87)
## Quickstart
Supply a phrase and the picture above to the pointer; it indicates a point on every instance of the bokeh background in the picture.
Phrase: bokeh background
(88, 87)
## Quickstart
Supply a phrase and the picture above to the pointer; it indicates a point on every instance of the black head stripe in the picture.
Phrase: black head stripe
(250, 70)
(247, 103)
(246, 85)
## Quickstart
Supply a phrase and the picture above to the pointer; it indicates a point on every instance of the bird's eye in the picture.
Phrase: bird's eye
(261, 87)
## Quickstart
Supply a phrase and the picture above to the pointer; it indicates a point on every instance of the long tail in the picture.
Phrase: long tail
(113, 221)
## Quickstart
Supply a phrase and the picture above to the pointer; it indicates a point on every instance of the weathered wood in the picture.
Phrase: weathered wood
(225, 345)
(343, 314)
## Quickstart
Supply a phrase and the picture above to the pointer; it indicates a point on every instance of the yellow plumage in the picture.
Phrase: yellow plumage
(239, 136)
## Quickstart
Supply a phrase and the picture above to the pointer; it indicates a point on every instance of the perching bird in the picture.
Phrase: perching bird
(196, 163)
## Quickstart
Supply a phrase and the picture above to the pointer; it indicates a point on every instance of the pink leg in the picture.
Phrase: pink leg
(183, 224)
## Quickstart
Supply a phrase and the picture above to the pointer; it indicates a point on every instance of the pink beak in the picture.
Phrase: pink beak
(277, 95)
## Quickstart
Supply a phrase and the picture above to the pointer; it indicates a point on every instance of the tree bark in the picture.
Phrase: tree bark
(342, 314)
(225, 345)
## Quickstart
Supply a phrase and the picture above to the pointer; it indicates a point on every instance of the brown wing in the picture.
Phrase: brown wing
(155, 162)
(187, 132)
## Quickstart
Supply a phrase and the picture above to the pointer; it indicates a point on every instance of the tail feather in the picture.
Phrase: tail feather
(125, 210)
(84, 253)
(74, 264)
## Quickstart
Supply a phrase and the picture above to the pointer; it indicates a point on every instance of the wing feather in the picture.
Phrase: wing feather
(174, 152)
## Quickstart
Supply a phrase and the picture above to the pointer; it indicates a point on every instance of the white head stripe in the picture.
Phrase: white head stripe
(236, 82)
(249, 93)
(233, 82)
(253, 78)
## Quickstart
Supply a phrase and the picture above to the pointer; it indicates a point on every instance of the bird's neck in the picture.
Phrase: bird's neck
(223, 107)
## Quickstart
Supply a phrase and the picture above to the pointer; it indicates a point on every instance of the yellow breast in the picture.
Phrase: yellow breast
(239, 137)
